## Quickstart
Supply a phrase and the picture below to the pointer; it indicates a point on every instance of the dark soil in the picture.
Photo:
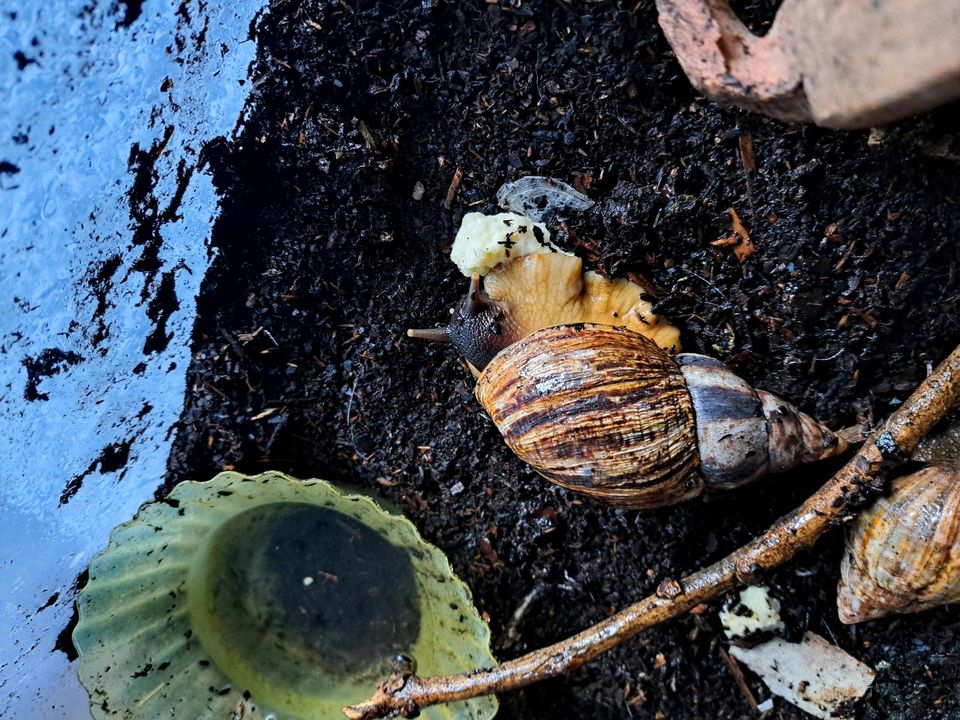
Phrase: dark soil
(324, 258)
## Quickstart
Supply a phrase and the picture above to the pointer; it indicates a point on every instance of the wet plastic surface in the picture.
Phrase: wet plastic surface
(105, 215)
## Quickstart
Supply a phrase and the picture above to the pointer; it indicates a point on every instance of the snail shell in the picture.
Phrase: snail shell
(605, 412)
(594, 409)
(903, 553)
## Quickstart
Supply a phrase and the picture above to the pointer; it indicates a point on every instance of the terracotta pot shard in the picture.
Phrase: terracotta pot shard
(848, 64)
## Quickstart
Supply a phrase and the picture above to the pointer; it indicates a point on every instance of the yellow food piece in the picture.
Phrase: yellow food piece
(545, 290)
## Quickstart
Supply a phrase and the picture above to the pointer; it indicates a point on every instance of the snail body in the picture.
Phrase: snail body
(531, 292)
(577, 375)
(605, 412)
(903, 553)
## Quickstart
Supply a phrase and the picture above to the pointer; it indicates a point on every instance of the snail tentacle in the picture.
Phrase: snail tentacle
(438, 334)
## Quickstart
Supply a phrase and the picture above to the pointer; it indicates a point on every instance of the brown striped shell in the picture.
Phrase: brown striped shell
(903, 553)
(599, 410)
(603, 411)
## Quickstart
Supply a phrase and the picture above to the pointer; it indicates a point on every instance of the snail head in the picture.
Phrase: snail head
(479, 327)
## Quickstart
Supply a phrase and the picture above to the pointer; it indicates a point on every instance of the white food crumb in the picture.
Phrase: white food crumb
(484, 241)
(756, 612)
(418, 190)
(812, 674)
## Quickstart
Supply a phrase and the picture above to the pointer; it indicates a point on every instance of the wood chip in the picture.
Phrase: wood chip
(746, 153)
(489, 553)
(367, 135)
(452, 190)
(265, 414)
(738, 239)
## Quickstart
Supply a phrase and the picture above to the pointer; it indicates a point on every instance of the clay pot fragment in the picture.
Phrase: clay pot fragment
(836, 63)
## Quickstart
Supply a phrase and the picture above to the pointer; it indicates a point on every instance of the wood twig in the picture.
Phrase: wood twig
(452, 189)
(734, 668)
(854, 485)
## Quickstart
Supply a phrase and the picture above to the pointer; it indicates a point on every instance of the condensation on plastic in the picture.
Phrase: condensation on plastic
(105, 220)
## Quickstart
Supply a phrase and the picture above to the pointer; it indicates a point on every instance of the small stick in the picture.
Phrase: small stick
(749, 165)
(734, 667)
(512, 632)
(856, 484)
(452, 190)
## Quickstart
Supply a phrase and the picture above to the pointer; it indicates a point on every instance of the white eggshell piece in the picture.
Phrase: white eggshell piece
(484, 241)
(757, 611)
(814, 675)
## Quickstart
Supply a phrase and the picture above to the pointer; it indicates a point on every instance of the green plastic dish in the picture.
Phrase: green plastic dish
(268, 598)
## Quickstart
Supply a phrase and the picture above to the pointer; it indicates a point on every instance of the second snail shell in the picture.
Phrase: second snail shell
(903, 553)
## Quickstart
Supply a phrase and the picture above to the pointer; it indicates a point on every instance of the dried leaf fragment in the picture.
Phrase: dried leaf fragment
(814, 675)
(738, 239)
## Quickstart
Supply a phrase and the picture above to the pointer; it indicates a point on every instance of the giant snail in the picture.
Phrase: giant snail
(606, 412)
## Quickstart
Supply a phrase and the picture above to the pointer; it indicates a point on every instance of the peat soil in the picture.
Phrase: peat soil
(338, 212)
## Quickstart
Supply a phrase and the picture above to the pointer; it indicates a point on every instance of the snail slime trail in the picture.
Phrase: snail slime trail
(292, 580)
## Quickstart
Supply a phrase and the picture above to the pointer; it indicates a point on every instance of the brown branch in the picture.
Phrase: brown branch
(858, 482)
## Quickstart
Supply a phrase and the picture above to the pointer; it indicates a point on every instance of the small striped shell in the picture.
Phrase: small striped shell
(597, 409)
(903, 553)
